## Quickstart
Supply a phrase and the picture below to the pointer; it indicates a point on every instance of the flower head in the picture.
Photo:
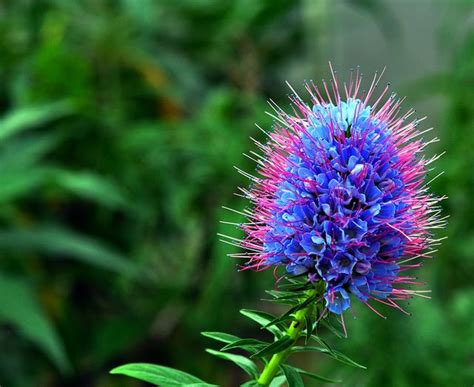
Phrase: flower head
(340, 195)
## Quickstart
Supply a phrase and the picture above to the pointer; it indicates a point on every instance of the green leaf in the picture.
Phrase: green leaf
(21, 309)
(279, 345)
(90, 186)
(333, 353)
(290, 298)
(288, 315)
(322, 342)
(159, 375)
(309, 327)
(25, 118)
(309, 348)
(59, 241)
(17, 183)
(281, 294)
(328, 324)
(295, 285)
(317, 377)
(263, 319)
(246, 364)
(22, 154)
(292, 376)
(220, 336)
(250, 383)
(278, 381)
(250, 345)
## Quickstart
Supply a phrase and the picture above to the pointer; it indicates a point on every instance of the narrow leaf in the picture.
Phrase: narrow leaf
(20, 153)
(278, 381)
(317, 377)
(333, 329)
(309, 327)
(159, 375)
(28, 117)
(21, 309)
(250, 383)
(292, 376)
(59, 241)
(336, 355)
(246, 364)
(296, 286)
(280, 345)
(251, 345)
(263, 319)
(287, 315)
(322, 342)
(220, 336)
(90, 186)
(18, 183)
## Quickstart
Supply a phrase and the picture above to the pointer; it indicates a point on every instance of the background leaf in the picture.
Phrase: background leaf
(29, 117)
(21, 309)
(58, 241)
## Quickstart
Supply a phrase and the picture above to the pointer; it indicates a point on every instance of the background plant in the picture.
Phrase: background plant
(132, 117)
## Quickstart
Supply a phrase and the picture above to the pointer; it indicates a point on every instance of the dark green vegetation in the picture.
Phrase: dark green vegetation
(121, 123)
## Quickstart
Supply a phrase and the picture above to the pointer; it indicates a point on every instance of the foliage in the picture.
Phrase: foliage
(121, 123)
(305, 314)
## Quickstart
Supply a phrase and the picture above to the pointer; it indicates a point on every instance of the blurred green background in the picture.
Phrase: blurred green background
(121, 124)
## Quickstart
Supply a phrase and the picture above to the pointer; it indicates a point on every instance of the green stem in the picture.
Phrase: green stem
(293, 331)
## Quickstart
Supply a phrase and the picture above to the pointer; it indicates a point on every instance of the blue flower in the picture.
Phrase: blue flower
(341, 198)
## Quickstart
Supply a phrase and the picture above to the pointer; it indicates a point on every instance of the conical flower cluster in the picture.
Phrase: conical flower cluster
(340, 195)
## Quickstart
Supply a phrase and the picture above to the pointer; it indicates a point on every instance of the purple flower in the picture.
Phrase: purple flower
(340, 196)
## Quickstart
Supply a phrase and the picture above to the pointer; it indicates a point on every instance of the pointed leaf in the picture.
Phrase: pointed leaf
(278, 381)
(28, 117)
(328, 324)
(18, 183)
(308, 348)
(246, 364)
(292, 376)
(159, 375)
(59, 241)
(251, 345)
(220, 336)
(287, 315)
(309, 327)
(21, 309)
(263, 319)
(290, 298)
(345, 359)
(280, 345)
(322, 342)
(90, 186)
(336, 355)
(296, 286)
(317, 377)
(250, 383)
(20, 153)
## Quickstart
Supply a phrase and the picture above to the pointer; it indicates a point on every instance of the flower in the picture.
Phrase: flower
(340, 195)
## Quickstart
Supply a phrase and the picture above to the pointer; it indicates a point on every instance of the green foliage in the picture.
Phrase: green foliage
(159, 375)
(60, 242)
(122, 122)
(247, 365)
(28, 117)
(292, 376)
(271, 354)
(21, 309)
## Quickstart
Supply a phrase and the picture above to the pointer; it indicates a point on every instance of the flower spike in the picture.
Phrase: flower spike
(340, 194)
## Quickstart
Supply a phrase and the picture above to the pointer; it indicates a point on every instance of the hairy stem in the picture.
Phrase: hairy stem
(293, 331)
